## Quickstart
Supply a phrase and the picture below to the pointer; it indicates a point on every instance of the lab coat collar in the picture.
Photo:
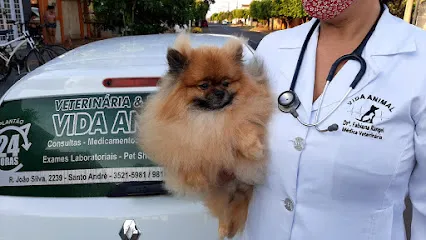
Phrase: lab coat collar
(383, 42)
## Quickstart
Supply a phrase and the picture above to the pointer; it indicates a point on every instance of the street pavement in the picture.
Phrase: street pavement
(254, 37)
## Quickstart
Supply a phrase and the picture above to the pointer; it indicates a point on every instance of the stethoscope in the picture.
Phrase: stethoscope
(288, 102)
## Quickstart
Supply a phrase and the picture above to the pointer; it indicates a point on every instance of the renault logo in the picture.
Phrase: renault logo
(129, 231)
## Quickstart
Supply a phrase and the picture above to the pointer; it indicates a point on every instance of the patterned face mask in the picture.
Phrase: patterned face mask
(325, 9)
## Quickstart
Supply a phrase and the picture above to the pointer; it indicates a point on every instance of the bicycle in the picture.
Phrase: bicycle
(38, 38)
(47, 53)
(56, 49)
(10, 60)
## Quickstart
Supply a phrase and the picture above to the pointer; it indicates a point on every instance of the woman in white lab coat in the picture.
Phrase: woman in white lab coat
(346, 178)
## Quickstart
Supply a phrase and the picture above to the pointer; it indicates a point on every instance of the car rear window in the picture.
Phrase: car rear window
(74, 146)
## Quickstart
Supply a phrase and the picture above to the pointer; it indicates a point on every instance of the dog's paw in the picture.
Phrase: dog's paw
(227, 231)
(257, 150)
(253, 149)
(223, 232)
(232, 231)
(249, 143)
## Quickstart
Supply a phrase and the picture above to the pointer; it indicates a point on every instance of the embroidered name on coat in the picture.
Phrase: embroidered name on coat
(367, 112)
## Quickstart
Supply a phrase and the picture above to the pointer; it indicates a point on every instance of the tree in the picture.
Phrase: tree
(288, 10)
(148, 16)
(280, 8)
(261, 9)
(254, 9)
(265, 9)
(222, 16)
(295, 9)
(199, 11)
(246, 13)
(214, 17)
(397, 7)
(238, 13)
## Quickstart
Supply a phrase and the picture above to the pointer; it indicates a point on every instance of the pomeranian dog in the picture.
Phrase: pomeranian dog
(209, 117)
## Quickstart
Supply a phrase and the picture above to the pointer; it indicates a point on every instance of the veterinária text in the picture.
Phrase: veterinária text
(82, 123)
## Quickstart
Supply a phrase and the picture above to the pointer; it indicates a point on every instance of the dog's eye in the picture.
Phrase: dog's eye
(204, 86)
(225, 83)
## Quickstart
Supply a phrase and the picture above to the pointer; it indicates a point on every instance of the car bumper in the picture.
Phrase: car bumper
(159, 217)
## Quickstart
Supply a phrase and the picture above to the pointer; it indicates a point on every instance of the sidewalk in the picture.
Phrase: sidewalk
(252, 28)
(262, 30)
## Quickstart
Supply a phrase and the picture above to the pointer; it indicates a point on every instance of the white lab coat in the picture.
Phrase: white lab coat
(349, 184)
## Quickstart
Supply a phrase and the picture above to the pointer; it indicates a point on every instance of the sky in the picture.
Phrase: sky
(222, 5)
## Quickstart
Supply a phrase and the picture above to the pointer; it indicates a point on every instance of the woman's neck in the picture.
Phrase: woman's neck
(353, 24)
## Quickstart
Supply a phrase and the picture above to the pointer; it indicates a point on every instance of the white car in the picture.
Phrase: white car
(69, 164)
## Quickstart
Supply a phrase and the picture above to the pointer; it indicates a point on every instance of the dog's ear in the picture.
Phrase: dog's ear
(235, 47)
(176, 61)
(178, 56)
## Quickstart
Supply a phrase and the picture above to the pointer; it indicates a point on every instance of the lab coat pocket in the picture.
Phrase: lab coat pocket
(381, 222)
(363, 164)
(363, 173)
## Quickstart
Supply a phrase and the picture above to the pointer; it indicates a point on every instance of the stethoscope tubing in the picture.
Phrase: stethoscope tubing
(333, 69)
(317, 114)
(355, 55)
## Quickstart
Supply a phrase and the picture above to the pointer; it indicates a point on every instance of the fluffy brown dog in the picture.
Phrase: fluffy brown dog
(210, 116)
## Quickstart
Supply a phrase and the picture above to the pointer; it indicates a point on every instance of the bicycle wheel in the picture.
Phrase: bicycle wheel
(4, 70)
(47, 54)
(58, 49)
(33, 60)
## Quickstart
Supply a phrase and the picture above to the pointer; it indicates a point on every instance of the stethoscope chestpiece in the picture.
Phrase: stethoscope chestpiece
(288, 101)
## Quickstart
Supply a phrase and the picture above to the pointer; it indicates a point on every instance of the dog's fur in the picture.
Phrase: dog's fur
(194, 142)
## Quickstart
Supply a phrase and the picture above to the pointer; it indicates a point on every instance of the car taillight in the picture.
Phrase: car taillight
(130, 82)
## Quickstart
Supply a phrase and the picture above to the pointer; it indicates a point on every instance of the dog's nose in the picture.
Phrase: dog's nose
(219, 93)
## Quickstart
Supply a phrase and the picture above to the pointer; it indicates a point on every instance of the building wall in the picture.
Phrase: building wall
(13, 10)
(71, 19)
(421, 16)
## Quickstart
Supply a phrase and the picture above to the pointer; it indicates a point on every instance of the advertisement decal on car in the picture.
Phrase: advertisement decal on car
(78, 140)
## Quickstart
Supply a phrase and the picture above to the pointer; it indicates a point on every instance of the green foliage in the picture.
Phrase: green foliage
(279, 8)
(246, 13)
(148, 16)
(295, 9)
(237, 13)
(397, 7)
(264, 9)
(104, 14)
(220, 16)
(200, 10)
(255, 10)
(214, 17)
